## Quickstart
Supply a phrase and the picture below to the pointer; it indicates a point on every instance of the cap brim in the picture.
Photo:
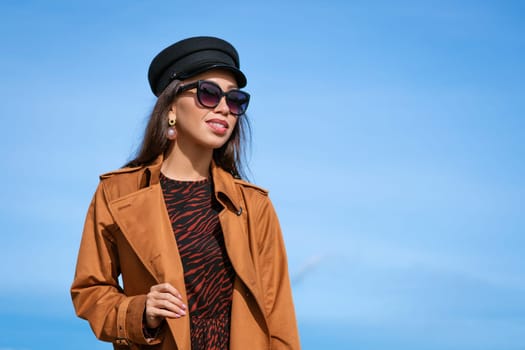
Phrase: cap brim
(239, 76)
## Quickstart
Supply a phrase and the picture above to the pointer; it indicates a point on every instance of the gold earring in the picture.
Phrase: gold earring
(172, 133)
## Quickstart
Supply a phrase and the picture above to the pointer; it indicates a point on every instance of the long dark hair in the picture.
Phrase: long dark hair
(230, 156)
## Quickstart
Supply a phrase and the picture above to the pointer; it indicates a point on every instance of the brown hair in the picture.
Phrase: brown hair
(229, 157)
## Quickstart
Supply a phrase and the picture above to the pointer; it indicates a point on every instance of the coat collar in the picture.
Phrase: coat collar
(223, 182)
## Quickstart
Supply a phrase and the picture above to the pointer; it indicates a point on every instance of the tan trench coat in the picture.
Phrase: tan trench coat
(128, 232)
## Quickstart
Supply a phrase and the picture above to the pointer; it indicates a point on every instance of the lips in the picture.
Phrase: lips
(218, 125)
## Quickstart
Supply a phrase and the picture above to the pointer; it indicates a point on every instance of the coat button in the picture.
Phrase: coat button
(239, 212)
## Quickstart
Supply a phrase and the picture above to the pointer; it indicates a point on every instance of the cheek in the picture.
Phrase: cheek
(183, 109)
(185, 105)
(233, 129)
(233, 121)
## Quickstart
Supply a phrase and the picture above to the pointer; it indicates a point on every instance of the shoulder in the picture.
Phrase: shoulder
(121, 171)
(256, 198)
(249, 187)
(120, 182)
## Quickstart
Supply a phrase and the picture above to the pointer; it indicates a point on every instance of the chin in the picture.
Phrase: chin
(219, 145)
(214, 144)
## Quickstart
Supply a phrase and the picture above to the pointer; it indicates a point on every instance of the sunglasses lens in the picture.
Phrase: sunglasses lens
(237, 101)
(209, 95)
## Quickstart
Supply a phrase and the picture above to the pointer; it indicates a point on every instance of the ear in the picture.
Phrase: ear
(173, 110)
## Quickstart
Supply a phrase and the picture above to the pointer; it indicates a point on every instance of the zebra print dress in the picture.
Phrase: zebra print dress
(208, 273)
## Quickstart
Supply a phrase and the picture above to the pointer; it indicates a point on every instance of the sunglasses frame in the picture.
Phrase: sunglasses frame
(197, 84)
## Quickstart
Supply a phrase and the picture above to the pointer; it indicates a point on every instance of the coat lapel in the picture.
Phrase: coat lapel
(143, 220)
(238, 246)
(234, 227)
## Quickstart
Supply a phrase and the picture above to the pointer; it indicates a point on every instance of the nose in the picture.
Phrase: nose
(222, 107)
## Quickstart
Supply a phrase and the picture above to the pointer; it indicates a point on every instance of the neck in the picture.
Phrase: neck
(187, 163)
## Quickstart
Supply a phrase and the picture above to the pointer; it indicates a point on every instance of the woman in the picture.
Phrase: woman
(199, 250)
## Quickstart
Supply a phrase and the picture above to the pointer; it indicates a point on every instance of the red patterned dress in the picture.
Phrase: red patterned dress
(208, 273)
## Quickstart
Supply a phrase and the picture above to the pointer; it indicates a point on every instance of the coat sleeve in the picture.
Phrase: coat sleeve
(276, 281)
(96, 294)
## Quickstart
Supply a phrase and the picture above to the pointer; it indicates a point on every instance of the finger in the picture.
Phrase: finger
(165, 304)
(162, 313)
(162, 295)
(166, 288)
(154, 312)
(171, 298)
(160, 286)
(153, 298)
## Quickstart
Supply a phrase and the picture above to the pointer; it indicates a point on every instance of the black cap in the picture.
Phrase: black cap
(190, 57)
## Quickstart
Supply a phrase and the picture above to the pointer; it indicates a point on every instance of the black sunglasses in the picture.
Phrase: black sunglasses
(210, 94)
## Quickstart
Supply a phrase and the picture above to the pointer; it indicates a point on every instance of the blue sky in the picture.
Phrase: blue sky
(390, 134)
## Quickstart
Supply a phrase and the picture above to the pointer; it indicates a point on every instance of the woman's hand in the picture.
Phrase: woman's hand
(162, 301)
